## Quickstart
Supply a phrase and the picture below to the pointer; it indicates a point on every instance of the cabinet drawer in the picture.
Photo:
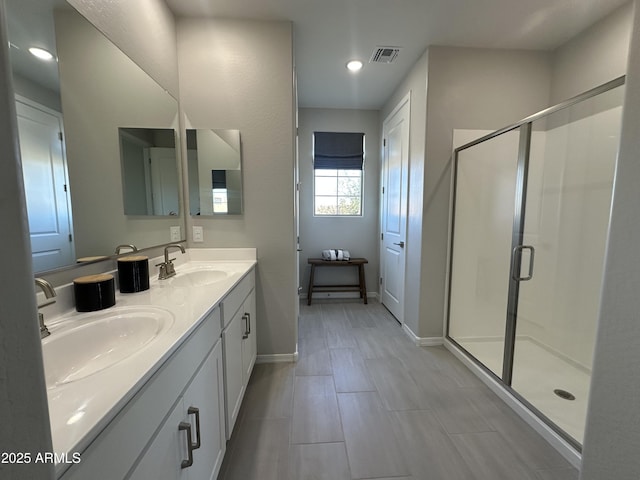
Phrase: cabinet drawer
(235, 297)
(120, 444)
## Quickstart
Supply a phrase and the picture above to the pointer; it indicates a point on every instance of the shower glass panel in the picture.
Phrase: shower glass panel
(483, 222)
(570, 178)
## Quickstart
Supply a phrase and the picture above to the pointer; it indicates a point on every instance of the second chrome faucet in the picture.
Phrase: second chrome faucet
(167, 269)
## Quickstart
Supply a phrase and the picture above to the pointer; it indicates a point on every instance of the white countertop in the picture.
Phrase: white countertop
(81, 409)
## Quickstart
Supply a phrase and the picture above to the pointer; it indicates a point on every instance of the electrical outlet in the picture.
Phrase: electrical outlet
(198, 234)
(175, 233)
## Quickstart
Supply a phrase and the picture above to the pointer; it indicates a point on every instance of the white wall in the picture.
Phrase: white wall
(594, 57)
(23, 398)
(238, 74)
(567, 217)
(145, 30)
(359, 235)
(612, 437)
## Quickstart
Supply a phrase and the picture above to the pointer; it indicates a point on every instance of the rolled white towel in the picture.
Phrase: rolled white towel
(336, 254)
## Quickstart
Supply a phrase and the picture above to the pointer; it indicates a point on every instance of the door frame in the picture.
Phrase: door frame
(406, 100)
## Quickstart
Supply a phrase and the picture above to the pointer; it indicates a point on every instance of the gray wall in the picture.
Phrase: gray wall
(101, 90)
(359, 235)
(416, 83)
(144, 30)
(612, 438)
(593, 57)
(466, 88)
(238, 74)
(23, 398)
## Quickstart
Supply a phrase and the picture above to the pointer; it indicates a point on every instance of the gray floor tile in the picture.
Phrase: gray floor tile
(270, 391)
(372, 448)
(429, 451)
(488, 456)
(375, 344)
(319, 461)
(456, 412)
(349, 371)
(316, 418)
(371, 441)
(313, 358)
(527, 443)
(558, 474)
(358, 315)
(261, 451)
(397, 389)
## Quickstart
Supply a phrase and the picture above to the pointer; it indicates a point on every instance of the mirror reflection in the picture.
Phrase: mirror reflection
(149, 174)
(70, 109)
(215, 172)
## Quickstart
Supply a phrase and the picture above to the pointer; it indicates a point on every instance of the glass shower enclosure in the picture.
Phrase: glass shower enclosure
(530, 220)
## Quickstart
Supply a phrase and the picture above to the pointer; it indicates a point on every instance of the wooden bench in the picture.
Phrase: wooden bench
(354, 262)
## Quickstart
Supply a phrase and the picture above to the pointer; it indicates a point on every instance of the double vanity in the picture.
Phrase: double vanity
(152, 387)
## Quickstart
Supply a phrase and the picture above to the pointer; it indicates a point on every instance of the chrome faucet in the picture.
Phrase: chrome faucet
(49, 293)
(120, 247)
(167, 269)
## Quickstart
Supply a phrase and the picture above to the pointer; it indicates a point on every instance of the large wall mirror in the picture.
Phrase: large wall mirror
(214, 158)
(72, 110)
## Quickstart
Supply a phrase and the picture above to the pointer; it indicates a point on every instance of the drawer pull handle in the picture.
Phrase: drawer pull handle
(187, 426)
(195, 411)
(245, 334)
(248, 322)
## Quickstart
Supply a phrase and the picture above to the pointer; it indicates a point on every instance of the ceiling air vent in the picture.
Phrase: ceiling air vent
(384, 55)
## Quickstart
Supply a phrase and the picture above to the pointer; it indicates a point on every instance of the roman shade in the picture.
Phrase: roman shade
(338, 151)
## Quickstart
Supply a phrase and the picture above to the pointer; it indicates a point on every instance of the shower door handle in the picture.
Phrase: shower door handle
(517, 256)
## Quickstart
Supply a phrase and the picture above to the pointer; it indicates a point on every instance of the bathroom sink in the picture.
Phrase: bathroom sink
(197, 277)
(100, 340)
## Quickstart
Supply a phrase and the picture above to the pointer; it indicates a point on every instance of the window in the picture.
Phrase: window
(338, 160)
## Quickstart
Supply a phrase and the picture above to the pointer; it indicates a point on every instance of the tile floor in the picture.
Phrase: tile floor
(363, 402)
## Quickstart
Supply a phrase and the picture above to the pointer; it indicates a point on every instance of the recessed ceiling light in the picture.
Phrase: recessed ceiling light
(354, 65)
(41, 53)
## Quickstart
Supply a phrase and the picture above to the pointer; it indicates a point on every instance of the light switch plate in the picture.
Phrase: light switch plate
(198, 234)
(175, 233)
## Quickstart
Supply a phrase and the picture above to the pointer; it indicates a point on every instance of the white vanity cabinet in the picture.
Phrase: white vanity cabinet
(148, 438)
(239, 345)
(191, 443)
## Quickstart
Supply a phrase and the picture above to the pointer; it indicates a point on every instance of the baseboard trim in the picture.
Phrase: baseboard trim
(560, 444)
(421, 341)
(278, 358)
(354, 295)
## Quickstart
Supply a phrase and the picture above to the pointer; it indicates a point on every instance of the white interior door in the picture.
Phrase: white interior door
(394, 208)
(45, 182)
(164, 181)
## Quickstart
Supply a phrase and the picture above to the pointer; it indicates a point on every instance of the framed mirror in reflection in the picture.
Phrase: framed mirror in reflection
(149, 174)
(70, 109)
(214, 158)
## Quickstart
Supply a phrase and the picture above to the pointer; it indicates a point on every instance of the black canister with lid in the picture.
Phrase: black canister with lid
(133, 274)
(94, 292)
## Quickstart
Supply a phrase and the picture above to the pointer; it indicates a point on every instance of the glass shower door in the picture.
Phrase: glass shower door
(484, 209)
(566, 218)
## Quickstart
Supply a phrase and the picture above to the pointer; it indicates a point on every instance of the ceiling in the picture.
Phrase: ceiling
(328, 33)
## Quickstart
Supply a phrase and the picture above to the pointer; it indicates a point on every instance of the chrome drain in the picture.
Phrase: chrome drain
(564, 394)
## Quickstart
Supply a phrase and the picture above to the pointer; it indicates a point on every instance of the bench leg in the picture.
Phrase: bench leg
(363, 284)
(309, 293)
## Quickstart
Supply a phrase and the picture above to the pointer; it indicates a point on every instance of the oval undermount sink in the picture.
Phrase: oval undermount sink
(99, 341)
(197, 277)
